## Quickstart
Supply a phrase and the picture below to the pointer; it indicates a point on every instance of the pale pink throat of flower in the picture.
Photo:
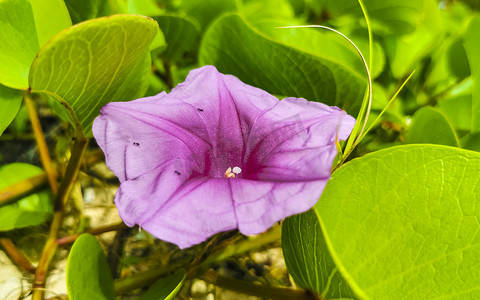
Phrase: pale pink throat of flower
(231, 173)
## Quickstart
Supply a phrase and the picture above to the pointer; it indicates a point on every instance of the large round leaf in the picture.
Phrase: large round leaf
(403, 223)
(95, 62)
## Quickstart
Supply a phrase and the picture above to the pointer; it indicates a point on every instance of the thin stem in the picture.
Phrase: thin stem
(94, 231)
(71, 173)
(250, 288)
(17, 256)
(145, 278)
(41, 143)
(351, 143)
(22, 188)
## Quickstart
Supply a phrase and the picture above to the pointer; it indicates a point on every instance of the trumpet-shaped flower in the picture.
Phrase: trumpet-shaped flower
(216, 154)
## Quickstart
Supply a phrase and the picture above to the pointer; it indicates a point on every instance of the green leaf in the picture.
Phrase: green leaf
(458, 110)
(397, 16)
(205, 11)
(88, 274)
(472, 44)
(31, 210)
(51, 17)
(10, 101)
(471, 141)
(278, 68)
(182, 38)
(87, 9)
(95, 62)
(457, 59)
(19, 44)
(402, 223)
(144, 7)
(407, 51)
(308, 260)
(165, 288)
(430, 126)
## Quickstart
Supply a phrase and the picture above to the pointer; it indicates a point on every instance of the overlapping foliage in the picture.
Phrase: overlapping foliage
(398, 220)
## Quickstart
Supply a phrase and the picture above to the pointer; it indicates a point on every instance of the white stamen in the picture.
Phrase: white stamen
(236, 170)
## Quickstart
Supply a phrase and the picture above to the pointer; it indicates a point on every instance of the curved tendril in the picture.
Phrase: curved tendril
(369, 79)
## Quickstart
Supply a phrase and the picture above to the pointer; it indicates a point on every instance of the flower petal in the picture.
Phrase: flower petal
(141, 135)
(295, 141)
(198, 209)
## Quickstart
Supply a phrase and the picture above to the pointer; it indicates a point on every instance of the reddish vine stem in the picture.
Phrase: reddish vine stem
(78, 150)
(41, 143)
(94, 231)
(16, 256)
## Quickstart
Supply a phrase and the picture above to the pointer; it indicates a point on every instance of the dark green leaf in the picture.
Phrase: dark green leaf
(165, 288)
(96, 62)
(235, 47)
(87, 9)
(182, 37)
(88, 274)
(402, 223)
(205, 11)
(308, 260)
(31, 210)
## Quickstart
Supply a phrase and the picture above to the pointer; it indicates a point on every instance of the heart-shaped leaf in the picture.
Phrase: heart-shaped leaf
(93, 63)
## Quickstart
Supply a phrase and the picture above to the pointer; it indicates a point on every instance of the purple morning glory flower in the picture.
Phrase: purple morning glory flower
(217, 154)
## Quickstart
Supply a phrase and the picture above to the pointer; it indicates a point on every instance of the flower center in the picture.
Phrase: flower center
(231, 173)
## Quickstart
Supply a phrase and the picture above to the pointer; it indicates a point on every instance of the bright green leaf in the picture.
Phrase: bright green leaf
(403, 223)
(407, 51)
(165, 288)
(235, 47)
(308, 260)
(144, 7)
(31, 210)
(96, 62)
(88, 274)
(430, 126)
(10, 101)
(182, 37)
(19, 44)
(51, 17)
(472, 46)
